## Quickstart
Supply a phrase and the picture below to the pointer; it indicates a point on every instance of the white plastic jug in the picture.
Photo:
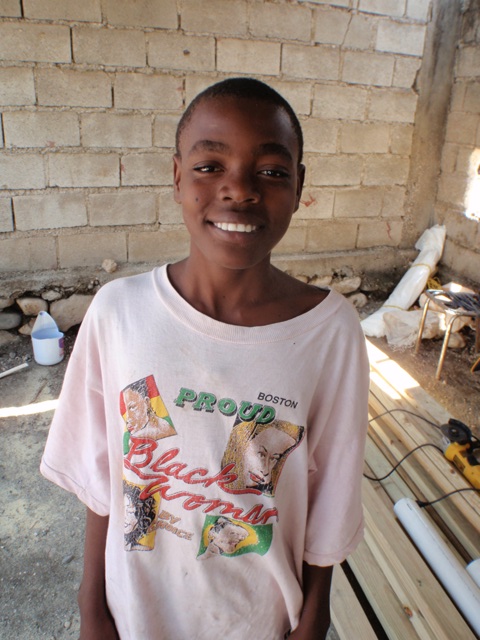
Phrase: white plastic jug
(47, 340)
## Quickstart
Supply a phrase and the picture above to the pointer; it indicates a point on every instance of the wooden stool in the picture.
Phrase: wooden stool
(453, 305)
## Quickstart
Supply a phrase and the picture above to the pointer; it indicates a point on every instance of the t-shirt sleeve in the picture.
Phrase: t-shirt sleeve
(76, 453)
(335, 521)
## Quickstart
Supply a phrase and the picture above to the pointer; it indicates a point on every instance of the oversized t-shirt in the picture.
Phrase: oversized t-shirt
(225, 456)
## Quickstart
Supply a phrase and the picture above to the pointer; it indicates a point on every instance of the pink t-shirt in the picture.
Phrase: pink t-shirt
(225, 456)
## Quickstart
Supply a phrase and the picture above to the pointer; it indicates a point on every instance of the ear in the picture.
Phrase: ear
(300, 181)
(177, 176)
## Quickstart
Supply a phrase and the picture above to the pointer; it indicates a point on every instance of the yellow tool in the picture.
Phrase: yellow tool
(463, 449)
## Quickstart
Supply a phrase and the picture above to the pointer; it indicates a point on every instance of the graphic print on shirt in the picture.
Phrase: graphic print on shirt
(144, 412)
(140, 518)
(259, 452)
(226, 537)
(255, 450)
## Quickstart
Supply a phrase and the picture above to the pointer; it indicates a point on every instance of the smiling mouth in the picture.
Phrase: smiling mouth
(237, 228)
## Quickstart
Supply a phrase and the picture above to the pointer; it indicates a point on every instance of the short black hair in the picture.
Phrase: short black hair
(242, 88)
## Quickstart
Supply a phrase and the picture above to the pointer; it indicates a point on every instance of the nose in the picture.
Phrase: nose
(240, 187)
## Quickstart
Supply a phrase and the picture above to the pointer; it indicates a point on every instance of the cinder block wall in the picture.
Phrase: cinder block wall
(91, 92)
(458, 200)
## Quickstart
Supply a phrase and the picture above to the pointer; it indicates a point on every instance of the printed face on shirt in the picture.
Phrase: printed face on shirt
(136, 410)
(225, 537)
(130, 521)
(262, 454)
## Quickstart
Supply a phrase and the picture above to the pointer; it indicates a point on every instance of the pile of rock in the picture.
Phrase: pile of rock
(347, 285)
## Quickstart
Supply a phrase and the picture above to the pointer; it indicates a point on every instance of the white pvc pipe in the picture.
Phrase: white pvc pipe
(453, 576)
(474, 570)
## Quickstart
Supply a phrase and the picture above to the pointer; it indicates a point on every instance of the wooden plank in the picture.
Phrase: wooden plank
(348, 617)
(429, 609)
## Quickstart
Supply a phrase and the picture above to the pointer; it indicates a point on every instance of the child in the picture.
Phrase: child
(201, 521)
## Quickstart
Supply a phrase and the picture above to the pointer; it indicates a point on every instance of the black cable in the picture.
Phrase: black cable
(416, 415)
(422, 503)
(420, 446)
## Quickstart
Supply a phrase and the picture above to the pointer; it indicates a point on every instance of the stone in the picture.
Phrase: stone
(6, 302)
(109, 265)
(70, 311)
(26, 329)
(32, 306)
(321, 281)
(359, 300)
(10, 320)
(302, 277)
(51, 295)
(347, 285)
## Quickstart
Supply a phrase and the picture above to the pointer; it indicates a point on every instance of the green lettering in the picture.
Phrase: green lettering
(267, 415)
(227, 406)
(206, 401)
(185, 395)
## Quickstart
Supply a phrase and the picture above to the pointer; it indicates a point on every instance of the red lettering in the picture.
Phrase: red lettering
(142, 447)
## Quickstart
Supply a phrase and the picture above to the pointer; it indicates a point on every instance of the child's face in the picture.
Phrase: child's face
(238, 180)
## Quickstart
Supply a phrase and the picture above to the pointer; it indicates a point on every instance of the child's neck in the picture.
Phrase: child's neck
(257, 296)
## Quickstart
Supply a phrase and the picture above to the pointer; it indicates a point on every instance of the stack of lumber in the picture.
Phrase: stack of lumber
(406, 599)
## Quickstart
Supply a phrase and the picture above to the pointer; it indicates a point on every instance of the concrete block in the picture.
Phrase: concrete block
(461, 260)
(401, 37)
(28, 254)
(405, 72)
(401, 139)
(360, 32)
(319, 63)
(393, 105)
(461, 127)
(1, 133)
(117, 47)
(84, 170)
(334, 3)
(471, 102)
(335, 170)
(6, 218)
(16, 86)
(248, 56)
(294, 240)
(280, 21)
(10, 9)
(116, 130)
(34, 42)
(358, 203)
(338, 102)
(383, 7)
(320, 135)
(331, 26)
(298, 94)
(158, 246)
(169, 211)
(418, 10)
(87, 249)
(387, 170)
(164, 131)
(379, 233)
(329, 235)
(147, 169)
(122, 207)
(159, 14)
(50, 211)
(459, 89)
(468, 62)
(195, 83)
(84, 11)
(452, 188)
(24, 171)
(460, 229)
(226, 18)
(394, 203)
(364, 138)
(147, 91)
(41, 129)
(449, 157)
(315, 204)
(361, 67)
(468, 162)
(64, 87)
(176, 51)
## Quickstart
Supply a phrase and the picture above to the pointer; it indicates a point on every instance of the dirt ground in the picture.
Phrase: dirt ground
(41, 526)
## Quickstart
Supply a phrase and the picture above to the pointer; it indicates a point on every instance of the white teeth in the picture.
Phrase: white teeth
(239, 228)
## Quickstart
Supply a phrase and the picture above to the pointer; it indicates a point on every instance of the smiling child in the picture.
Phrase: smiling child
(250, 503)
